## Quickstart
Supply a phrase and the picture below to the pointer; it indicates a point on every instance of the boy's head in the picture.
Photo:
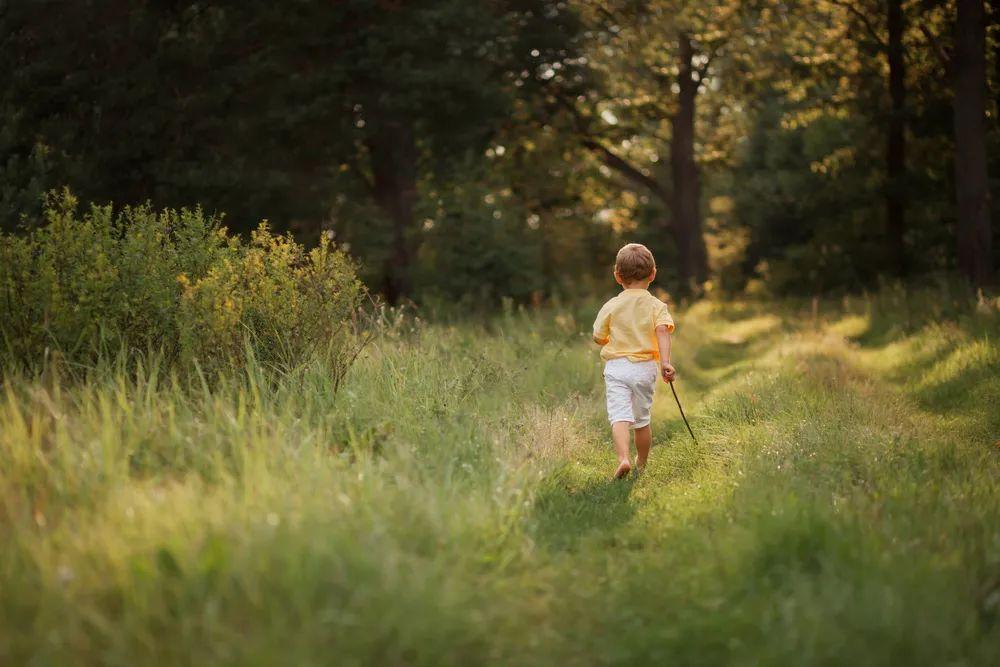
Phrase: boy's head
(633, 264)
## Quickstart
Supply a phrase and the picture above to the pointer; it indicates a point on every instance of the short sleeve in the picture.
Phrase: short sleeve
(663, 317)
(602, 325)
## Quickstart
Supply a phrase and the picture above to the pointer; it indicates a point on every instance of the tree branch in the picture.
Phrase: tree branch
(612, 19)
(702, 71)
(939, 50)
(864, 18)
(611, 159)
(623, 167)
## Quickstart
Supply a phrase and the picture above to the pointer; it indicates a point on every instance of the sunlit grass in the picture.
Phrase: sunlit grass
(451, 504)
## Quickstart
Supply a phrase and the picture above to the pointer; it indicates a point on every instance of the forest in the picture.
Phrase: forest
(491, 149)
(302, 360)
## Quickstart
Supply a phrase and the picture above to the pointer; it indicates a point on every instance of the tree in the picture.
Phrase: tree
(655, 58)
(268, 110)
(888, 40)
(895, 162)
(685, 178)
(413, 129)
(973, 232)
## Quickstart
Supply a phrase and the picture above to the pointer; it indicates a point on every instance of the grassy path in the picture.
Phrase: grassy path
(843, 504)
(452, 504)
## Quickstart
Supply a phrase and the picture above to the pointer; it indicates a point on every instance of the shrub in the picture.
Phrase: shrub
(272, 298)
(174, 282)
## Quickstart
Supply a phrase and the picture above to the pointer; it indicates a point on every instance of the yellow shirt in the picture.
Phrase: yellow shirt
(626, 325)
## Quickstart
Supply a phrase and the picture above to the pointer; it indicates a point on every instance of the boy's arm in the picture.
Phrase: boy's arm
(663, 341)
(602, 326)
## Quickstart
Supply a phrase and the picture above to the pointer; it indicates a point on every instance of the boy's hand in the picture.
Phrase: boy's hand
(667, 371)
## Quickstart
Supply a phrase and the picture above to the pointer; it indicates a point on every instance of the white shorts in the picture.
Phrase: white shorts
(630, 386)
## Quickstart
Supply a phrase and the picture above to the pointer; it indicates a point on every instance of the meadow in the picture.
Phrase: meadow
(451, 502)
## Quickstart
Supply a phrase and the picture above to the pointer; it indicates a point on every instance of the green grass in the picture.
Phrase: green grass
(451, 505)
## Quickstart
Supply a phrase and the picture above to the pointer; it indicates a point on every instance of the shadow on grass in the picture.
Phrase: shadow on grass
(719, 353)
(945, 354)
(573, 507)
(953, 376)
(710, 368)
(725, 354)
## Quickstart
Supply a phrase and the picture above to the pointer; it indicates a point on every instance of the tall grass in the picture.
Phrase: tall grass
(451, 503)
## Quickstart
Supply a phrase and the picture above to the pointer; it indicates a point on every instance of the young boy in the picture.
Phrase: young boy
(633, 330)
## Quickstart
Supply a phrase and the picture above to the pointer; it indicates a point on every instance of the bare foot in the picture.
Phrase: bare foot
(624, 468)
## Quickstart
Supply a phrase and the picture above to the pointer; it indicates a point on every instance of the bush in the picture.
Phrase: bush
(86, 286)
(272, 298)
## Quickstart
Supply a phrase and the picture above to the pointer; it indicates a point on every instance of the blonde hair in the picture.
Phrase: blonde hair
(634, 262)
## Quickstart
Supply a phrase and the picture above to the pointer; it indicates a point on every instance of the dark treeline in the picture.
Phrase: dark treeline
(488, 148)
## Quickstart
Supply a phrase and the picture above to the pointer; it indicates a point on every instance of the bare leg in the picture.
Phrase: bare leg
(620, 435)
(643, 441)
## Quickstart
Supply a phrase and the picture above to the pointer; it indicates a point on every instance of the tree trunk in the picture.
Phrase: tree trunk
(692, 263)
(995, 18)
(973, 234)
(394, 182)
(896, 144)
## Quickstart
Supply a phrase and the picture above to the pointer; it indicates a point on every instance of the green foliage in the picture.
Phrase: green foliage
(262, 110)
(23, 178)
(478, 246)
(809, 195)
(88, 285)
(369, 117)
(289, 302)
